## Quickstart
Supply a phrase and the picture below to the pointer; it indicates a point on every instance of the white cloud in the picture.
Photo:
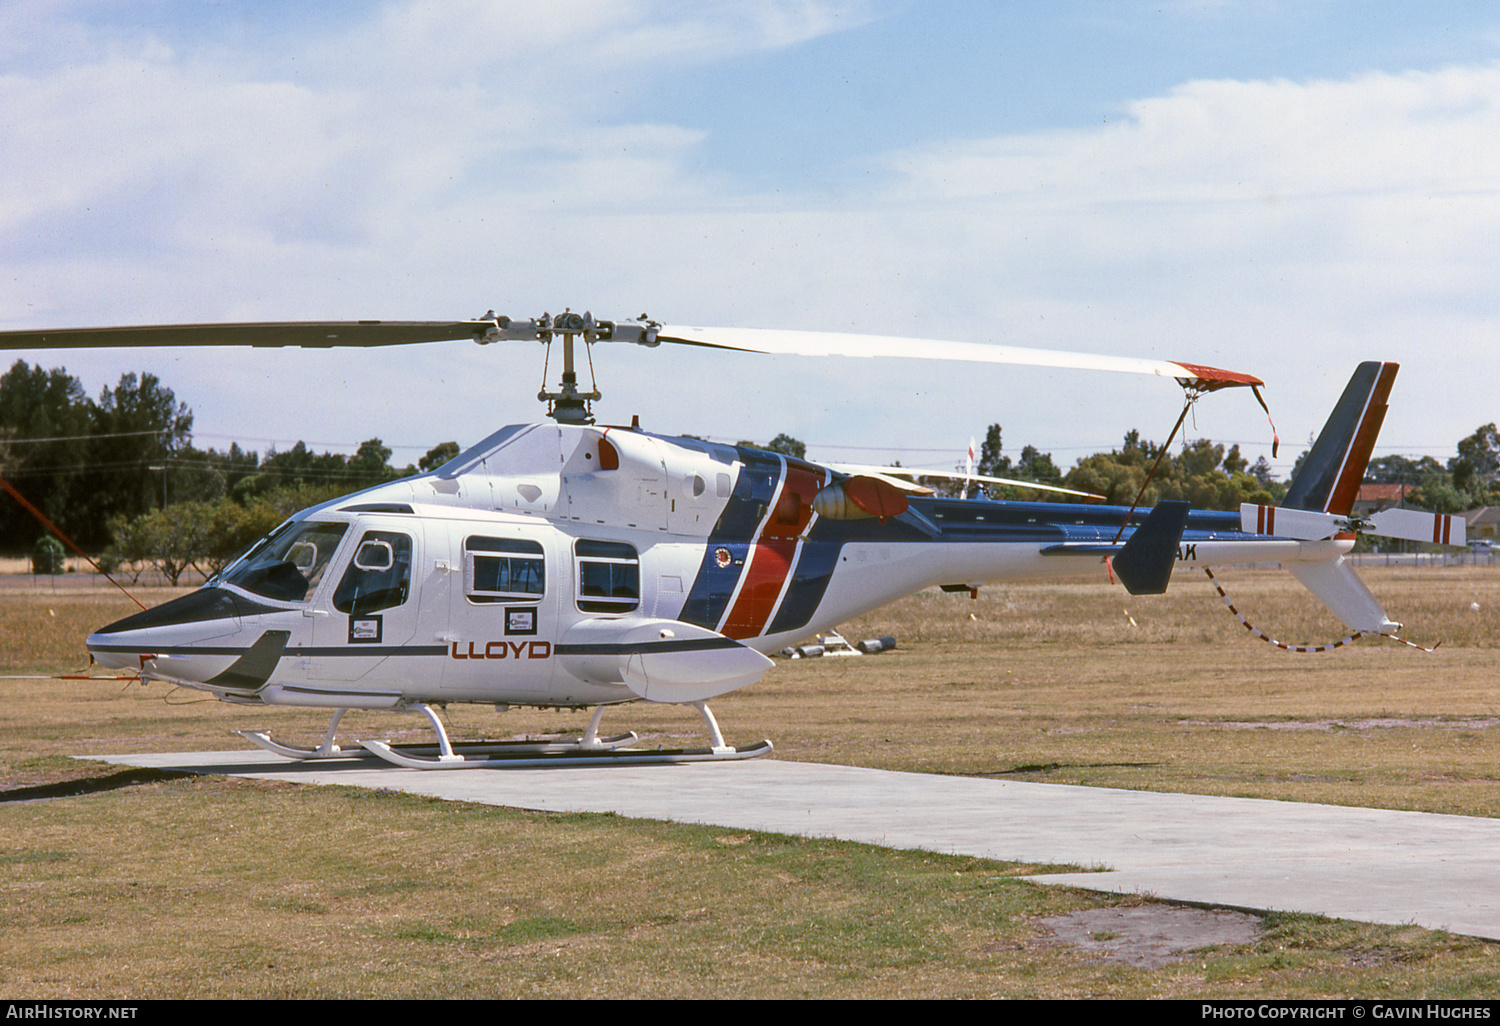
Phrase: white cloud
(441, 158)
(1272, 222)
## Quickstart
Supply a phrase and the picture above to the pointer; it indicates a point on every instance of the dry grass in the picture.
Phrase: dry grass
(145, 886)
(1054, 682)
(230, 889)
(210, 887)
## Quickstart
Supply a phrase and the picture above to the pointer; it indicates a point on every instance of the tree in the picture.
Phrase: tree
(1262, 472)
(1201, 473)
(171, 539)
(207, 476)
(1477, 464)
(1234, 463)
(293, 468)
(782, 443)
(370, 465)
(1440, 496)
(788, 446)
(991, 462)
(45, 419)
(1038, 466)
(1200, 458)
(137, 426)
(1404, 470)
(1032, 465)
(438, 455)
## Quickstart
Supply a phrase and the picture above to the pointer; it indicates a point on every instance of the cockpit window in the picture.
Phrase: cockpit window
(289, 564)
(379, 575)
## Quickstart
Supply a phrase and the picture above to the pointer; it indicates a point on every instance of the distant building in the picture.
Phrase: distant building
(1372, 498)
(1482, 522)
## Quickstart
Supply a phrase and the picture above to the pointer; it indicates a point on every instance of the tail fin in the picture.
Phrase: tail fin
(1145, 563)
(1330, 476)
(1329, 482)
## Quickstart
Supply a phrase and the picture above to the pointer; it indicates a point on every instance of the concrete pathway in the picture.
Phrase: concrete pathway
(1371, 865)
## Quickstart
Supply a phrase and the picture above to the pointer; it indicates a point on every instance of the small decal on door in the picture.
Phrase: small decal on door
(364, 630)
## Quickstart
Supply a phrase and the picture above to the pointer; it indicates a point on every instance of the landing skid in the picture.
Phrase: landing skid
(615, 757)
(588, 750)
(468, 749)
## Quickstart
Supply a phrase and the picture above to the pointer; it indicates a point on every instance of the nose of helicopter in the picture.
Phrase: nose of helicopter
(192, 639)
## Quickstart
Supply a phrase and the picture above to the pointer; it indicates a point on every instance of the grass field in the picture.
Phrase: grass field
(144, 885)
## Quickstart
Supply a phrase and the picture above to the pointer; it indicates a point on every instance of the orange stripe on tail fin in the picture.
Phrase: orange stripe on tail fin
(1330, 476)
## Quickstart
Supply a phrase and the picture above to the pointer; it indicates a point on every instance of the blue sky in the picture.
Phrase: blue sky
(1275, 187)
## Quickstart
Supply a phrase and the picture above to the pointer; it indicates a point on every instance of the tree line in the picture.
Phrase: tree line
(1211, 477)
(119, 475)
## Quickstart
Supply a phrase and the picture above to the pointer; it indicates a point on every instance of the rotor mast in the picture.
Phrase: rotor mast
(568, 405)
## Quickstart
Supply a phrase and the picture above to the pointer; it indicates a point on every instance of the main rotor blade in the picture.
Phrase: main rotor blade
(308, 334)
(821, 343)
(327, 334)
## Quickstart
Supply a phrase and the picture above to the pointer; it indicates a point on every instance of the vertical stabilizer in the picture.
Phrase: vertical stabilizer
(1336, 585)
(1330, 476)
(1145, 564)
(1328, 484)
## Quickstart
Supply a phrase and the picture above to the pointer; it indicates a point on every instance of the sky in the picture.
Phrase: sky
(1276, 187)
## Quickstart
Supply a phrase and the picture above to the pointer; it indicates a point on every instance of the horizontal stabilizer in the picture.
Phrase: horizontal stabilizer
(1145, 564)
(1415, 525)
(1309, 525)
(1305, 525)
(659, 660)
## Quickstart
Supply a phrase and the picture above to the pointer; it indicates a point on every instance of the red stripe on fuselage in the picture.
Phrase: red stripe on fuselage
(774, 554)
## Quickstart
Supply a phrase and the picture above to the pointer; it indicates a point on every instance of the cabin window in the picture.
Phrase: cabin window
(503, 570)
(379, 575)
(609, 576)
(288, 564)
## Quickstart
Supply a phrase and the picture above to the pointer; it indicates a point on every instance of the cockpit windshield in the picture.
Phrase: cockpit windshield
(288, 564)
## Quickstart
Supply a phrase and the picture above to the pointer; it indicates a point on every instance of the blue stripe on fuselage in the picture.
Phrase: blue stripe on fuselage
(714, 585)
(977, 521)
(982, 520)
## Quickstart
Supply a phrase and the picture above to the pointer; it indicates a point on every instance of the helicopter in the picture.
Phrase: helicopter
(572, 565)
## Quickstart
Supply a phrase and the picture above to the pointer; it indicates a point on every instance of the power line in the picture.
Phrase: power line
(82, 438)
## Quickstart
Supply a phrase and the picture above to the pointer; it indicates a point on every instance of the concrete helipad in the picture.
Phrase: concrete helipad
(1373, 865)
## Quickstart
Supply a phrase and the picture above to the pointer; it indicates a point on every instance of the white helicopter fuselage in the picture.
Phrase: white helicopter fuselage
(571, 566)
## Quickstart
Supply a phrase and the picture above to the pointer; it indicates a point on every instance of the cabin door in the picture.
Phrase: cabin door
(502, 613)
